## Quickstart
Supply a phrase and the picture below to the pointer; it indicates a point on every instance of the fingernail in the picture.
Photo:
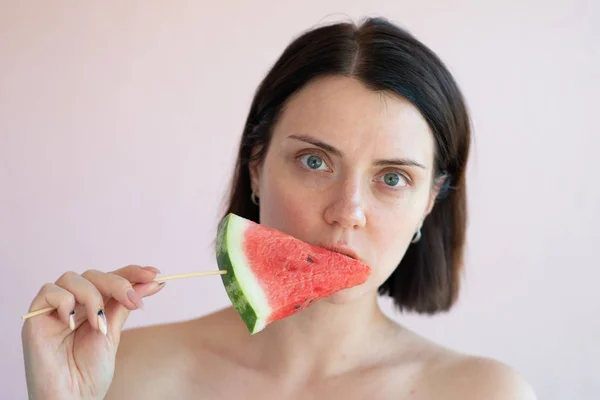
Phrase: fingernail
(135, 298)
(160, 286)
(152, 269)
(72, 320)
(157, 289)
(102, 324)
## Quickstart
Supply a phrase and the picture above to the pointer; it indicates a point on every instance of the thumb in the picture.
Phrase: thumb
(116, 313)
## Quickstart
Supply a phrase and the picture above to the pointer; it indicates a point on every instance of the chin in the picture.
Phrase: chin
(349, 295)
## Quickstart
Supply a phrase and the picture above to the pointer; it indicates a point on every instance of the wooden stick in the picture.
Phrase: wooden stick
(161, 279)
(38, 312)
(181, 276)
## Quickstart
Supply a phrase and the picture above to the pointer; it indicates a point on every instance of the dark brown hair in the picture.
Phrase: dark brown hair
(385, 58)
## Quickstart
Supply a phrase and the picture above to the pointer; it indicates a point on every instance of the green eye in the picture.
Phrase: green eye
(313, 162)
(393, 179)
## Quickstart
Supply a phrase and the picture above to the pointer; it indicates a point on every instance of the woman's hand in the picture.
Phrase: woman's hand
(70, 352)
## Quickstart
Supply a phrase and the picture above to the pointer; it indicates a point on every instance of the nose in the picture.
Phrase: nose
(346, 209)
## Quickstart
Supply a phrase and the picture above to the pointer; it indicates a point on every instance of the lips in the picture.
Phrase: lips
(342, 250)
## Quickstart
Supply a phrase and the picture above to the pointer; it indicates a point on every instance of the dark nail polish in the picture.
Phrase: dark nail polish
(102, 323)
(72, 320)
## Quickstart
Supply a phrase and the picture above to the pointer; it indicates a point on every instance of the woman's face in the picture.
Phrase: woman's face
(348, 168)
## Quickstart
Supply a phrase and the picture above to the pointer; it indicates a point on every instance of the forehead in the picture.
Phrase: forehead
(356, 119)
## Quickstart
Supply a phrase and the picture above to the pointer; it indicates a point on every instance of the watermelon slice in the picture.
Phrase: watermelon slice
(272, 275)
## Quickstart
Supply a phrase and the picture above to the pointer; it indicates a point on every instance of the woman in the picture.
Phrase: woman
(357, 140)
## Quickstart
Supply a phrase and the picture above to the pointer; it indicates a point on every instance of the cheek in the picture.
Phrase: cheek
(287, 206)
(390, 234)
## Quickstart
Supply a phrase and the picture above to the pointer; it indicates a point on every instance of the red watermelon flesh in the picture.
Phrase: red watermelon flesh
(272, 275)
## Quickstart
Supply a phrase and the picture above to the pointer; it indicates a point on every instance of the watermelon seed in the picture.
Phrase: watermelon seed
(297, 306)
(310, 260)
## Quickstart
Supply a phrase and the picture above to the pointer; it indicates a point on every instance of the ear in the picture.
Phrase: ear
(254, 166)
(438, 183)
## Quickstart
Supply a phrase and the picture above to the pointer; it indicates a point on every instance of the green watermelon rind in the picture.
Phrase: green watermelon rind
(242, 288)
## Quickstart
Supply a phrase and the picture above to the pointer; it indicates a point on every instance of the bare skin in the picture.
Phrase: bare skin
(346, 167)
(214, 357)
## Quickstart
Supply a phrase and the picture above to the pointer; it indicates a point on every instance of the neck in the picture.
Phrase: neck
(325, 339)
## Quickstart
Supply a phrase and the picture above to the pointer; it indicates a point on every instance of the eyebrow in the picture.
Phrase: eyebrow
(401, 162)
(316, 142)
(329, 148)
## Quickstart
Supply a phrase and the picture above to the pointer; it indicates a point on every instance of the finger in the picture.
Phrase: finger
(117, 314)
(51, 295)
(86, 294)
(137, 274)
(114, 286)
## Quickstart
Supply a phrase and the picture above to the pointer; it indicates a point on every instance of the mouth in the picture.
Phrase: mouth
(342, 250)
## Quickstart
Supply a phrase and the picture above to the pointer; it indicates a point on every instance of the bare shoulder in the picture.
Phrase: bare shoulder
(443, 373)
(143, 356)
(152, 360)
(474, 378)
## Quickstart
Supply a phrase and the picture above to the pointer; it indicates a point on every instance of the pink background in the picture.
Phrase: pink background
(119, 122)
